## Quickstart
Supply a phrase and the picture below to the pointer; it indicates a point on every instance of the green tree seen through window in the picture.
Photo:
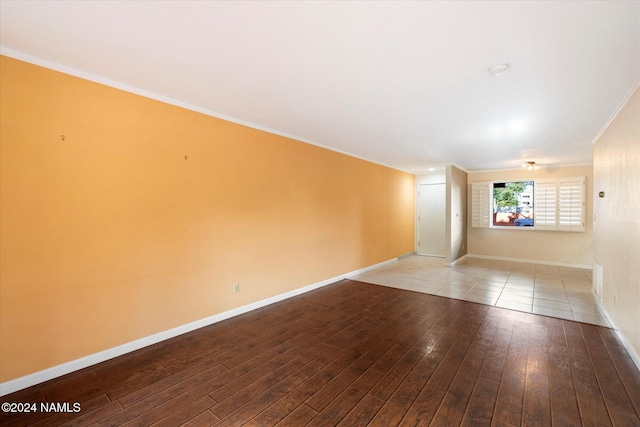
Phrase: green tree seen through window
(509, 194)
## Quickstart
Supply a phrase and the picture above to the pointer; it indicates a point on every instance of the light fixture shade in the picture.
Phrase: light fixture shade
(531, 166)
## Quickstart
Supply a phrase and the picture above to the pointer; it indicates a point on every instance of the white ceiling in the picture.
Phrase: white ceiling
(404, 84)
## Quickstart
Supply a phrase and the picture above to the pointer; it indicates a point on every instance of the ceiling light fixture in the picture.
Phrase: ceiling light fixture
(498, 70)
(531, 166)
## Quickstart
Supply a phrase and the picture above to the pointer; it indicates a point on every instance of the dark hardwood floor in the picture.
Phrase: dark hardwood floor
(354, 354)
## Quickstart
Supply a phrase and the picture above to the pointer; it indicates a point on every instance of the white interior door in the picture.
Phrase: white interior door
(431, 219)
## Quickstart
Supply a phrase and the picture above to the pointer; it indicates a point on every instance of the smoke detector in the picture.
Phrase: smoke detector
(498, 70)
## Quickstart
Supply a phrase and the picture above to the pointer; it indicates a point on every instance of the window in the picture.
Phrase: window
(513, 204)
(544, 204)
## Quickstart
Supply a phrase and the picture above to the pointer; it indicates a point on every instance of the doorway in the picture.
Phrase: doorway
(431, 219)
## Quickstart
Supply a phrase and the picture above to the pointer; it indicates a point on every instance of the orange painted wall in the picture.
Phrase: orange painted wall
(111, 235)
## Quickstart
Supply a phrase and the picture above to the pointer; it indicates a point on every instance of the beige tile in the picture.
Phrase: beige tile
(458, 286)
(594, 320)
(586, 308)
(419, 286)
(546, 311)
(579, 283)
(586, 294)
(462, 281)
(557, 305)
(512, 285)
(581, 299)
(573, 287)
(520, 280)
(515, 298)
(551, 283)
(496, 277)
(484, 293)
(547, 274)
(452, 293)
(514, 305)
(489, 286)
(481, 299)
(516, 286)
(491, 281)
(516, 291)
(552, 296)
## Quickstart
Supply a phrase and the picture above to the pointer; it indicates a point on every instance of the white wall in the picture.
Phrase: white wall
(617, 218)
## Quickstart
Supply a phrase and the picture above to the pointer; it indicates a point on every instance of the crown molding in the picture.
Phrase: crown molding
(45, 63)
(621, 105)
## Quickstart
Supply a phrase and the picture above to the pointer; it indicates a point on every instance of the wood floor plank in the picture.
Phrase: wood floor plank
(339, 407)
(97, 403)
(633, 390)
(590, 399)
(340, 359)
(95, 416)
(499, 423)
(424, 329)
(451, 361)
(285, 355)
(266, 344)
(353, 354)
(64, 387)
(264, 408)
(254, 409)
(403, 397)
(563, 399)
(269, 380)
(617, 400)
(205, 418)
(458, 394)
(619, 356)
(340, 382)
(195, 375)
(165, 409)
(187, 413)
(511, 392)
(537, 403)
(362, 413)
(300, 416)
(479, 411)
(499, 347)
(448, 326)
(424, 408)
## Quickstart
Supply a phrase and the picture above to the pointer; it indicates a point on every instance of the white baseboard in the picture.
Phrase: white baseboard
(451, 264)
(84, 362)
(623, 339)
(407, 255)
(531, 261)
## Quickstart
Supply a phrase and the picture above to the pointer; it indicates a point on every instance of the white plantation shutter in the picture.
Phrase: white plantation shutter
(481, 198)
(558, 204)
(545, 205)
(571, 204)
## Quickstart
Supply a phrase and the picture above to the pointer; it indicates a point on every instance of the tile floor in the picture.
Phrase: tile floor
(560, 292)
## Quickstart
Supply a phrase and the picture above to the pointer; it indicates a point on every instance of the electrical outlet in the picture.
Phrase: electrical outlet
(236, 288)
